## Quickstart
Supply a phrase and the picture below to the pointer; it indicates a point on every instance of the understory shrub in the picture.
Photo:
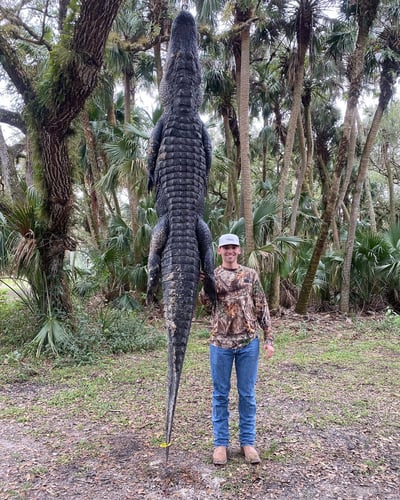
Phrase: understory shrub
(92, 335)
(17, 324)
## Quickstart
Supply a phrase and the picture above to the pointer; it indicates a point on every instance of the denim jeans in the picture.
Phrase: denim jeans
(246, 366)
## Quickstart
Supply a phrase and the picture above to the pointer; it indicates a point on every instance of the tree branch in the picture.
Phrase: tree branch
(16, 70)
(17, 22)
(13, 119)
(75, 76)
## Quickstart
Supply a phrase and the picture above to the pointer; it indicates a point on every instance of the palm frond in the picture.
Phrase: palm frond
(52, 334)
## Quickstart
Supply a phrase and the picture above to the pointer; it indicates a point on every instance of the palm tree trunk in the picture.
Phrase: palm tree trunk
(97, 218)
(390, 181)
(132, 195)
(247, 197)
(232, 197)
(370, 205)
(355, 210)
(5, 165)
(300, 176)
(350, 163)
(158, 62)
(10, 183)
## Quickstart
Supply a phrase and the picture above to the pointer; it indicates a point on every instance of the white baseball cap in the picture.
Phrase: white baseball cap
(228, 239)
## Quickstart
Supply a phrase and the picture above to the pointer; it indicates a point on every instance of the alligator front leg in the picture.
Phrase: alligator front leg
(206, 258)
(158, 240)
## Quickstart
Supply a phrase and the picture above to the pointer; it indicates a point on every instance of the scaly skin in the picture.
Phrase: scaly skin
(179, 160)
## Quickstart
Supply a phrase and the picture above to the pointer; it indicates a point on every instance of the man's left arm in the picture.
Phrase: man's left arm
(263, 317)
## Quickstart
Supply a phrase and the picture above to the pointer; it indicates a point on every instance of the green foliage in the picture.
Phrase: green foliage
(111, 331)
(390, 270)
(393, 320)
(95, 334)
(21, 230)
(120, 266)
(371, 251)
(17, 323)
(52, 335)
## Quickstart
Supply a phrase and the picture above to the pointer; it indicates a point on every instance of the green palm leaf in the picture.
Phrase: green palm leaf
(52, 334)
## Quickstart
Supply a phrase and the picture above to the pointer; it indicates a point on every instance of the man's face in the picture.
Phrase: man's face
(229, 253)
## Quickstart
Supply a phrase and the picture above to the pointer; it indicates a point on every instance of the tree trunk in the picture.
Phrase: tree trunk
(132, 195)
(232, 196)
(349, 166)
(55, 240)
(370, 205)
(355, 210)
(29, 162)
(390, 181)
(247, 197)
(10, 182)
(300, 176)
(4, 166)
(158, 62)
(96, 214)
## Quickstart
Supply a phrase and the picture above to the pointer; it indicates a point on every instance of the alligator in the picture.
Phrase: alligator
(178, 164)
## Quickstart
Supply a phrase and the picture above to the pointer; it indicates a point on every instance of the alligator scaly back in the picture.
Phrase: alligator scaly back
(179, 160)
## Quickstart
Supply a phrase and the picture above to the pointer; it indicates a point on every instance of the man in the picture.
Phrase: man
(241, 307)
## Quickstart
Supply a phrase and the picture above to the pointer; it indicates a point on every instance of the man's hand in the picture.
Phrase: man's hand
(269, 350)
(268, 345)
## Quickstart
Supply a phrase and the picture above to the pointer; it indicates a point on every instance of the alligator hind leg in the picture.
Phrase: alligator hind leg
(207, 259)
(158, 240)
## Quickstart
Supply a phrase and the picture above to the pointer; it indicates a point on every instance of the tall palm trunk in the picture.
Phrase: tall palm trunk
(370, 205)
(390, 181)
(128, 104)
(232, 195)
(300, 176)
(8, 173)
(390, 71)
(366, 15)
(349, 166)
(4, 165)
(96, 216)
(305, 15)
(247, 197)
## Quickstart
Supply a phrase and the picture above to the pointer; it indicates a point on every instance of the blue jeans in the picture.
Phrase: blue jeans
(246, 365)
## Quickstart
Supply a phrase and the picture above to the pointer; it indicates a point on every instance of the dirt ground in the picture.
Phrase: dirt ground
(328, 428)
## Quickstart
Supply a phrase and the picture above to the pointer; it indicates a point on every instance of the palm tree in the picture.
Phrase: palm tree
(305, 14)
(390, 38)
(219, 99)
(242, 16)
(123, 58)
(365, 12)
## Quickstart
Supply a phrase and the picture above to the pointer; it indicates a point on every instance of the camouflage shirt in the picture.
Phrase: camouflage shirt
(241, 308)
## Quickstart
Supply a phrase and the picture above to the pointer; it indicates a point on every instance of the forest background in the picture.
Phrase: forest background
(299, 98)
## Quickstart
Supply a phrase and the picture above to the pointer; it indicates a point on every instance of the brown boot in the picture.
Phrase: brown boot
(250, 454)
(220, 456)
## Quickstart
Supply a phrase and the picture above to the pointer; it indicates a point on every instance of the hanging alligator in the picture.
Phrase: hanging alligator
(178, 164)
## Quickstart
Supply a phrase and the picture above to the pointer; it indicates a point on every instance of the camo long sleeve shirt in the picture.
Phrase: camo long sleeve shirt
(241, 308)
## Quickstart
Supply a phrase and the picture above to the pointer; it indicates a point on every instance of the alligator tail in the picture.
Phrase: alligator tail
(180, 277)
